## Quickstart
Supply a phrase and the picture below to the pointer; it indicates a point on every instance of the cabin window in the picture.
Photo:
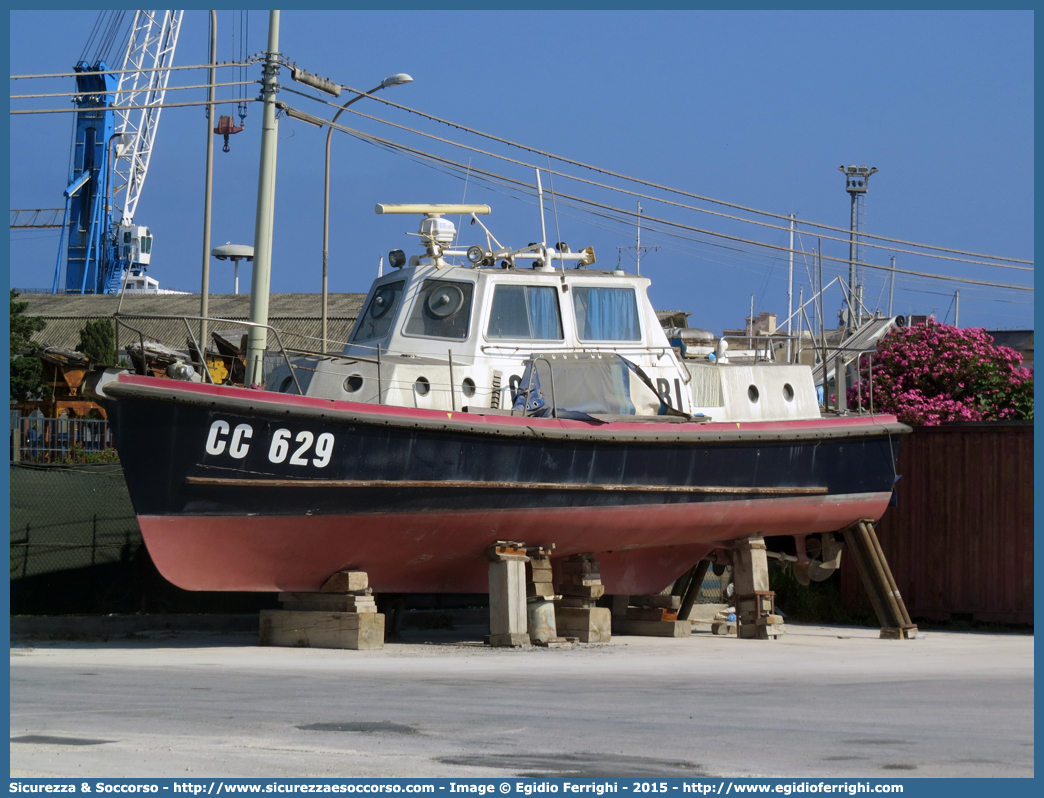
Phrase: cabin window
(525, 311)
(375, 322)
(606, 314)
(442, 310)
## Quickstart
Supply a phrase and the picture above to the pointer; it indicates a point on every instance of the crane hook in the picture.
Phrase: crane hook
(226, 128)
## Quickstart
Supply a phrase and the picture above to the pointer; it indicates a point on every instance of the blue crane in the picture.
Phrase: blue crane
(115, 131)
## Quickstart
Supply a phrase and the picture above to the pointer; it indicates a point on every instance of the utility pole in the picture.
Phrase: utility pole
(790, 285)
(638, 246)
(891, 286)
(204, 301)
(857, 180)
(957, 309)
(750, 327)
(260, 281)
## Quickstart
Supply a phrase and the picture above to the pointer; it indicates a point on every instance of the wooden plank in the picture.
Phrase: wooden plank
(583, 591)
(655, 628)
(346, 582)
(347, 630)
(580, 567)
(585, 580)
(664, 602)
(651, 614)
(327, 602)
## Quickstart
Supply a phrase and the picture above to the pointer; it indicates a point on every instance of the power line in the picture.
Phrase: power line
(456, 164)
(668, 188)
(671, 202)
(169, 88)
(130, 107)
(220, 65)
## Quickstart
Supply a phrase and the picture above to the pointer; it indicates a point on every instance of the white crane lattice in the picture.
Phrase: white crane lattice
(150, 53)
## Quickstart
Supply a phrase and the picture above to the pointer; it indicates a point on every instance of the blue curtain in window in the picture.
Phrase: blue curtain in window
(610, 314)
(543, 313)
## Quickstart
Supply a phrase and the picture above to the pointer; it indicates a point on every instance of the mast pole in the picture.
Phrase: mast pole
(204, 294)
(260, 280)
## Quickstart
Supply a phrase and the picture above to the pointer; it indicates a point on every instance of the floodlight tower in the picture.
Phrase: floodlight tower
(857, 180)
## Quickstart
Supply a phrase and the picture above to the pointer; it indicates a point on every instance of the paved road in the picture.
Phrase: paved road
(820, 702)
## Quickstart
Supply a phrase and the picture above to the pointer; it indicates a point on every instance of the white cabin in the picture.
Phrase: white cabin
(453, 330)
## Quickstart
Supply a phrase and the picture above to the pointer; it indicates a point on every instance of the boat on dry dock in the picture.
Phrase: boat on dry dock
(488, 393)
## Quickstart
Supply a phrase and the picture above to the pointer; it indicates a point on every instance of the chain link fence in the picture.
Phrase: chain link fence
(68, 517)
(76, 548)
(36, 439)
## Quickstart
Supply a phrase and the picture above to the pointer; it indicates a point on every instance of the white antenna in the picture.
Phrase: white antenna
(638, 245)
(540, 198)
(380, 267)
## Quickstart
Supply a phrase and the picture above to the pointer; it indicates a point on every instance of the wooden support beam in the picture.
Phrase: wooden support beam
(692, 590)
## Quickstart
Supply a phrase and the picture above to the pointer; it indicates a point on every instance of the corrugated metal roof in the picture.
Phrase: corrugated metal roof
(296, 316)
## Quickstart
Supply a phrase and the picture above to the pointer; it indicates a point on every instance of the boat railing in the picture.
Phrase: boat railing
(528, 391)
(195, 349)
(765, 348)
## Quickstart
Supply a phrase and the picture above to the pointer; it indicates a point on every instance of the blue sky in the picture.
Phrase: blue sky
(753, 108)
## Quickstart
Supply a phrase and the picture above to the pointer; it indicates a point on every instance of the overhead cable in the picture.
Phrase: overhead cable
(593, 203)
(581, 164)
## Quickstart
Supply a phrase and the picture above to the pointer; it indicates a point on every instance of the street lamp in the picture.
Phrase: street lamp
(394, 80)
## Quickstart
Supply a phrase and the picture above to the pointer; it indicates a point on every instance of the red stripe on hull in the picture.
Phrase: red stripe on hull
(641, 548)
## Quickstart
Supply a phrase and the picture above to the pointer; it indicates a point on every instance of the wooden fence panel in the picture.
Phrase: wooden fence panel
(960, 541)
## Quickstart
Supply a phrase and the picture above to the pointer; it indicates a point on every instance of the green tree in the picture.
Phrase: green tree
(98, 342)
(26, 370)
(23, 327)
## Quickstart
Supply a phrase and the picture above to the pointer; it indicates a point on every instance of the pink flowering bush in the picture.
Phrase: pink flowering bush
(931, 373)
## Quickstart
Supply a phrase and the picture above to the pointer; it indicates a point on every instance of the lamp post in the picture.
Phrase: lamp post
(394, 80)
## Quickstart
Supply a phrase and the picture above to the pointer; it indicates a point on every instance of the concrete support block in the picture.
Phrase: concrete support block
(588, 624)
(313, 629)
(543, 628)
(508, 624)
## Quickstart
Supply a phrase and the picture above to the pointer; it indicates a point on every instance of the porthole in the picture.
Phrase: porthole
(752, 393)
(468, 387)
(353, 383)
(284, 386)
(422, 386)
(788, 392)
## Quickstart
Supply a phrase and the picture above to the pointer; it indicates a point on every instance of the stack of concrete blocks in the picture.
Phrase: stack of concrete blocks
(540, 598)
(342, 615)
(576, 614)
(653, 616)
(755, 603)
(508, 625)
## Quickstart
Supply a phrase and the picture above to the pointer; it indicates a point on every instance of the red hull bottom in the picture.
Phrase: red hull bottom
(642, 549)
